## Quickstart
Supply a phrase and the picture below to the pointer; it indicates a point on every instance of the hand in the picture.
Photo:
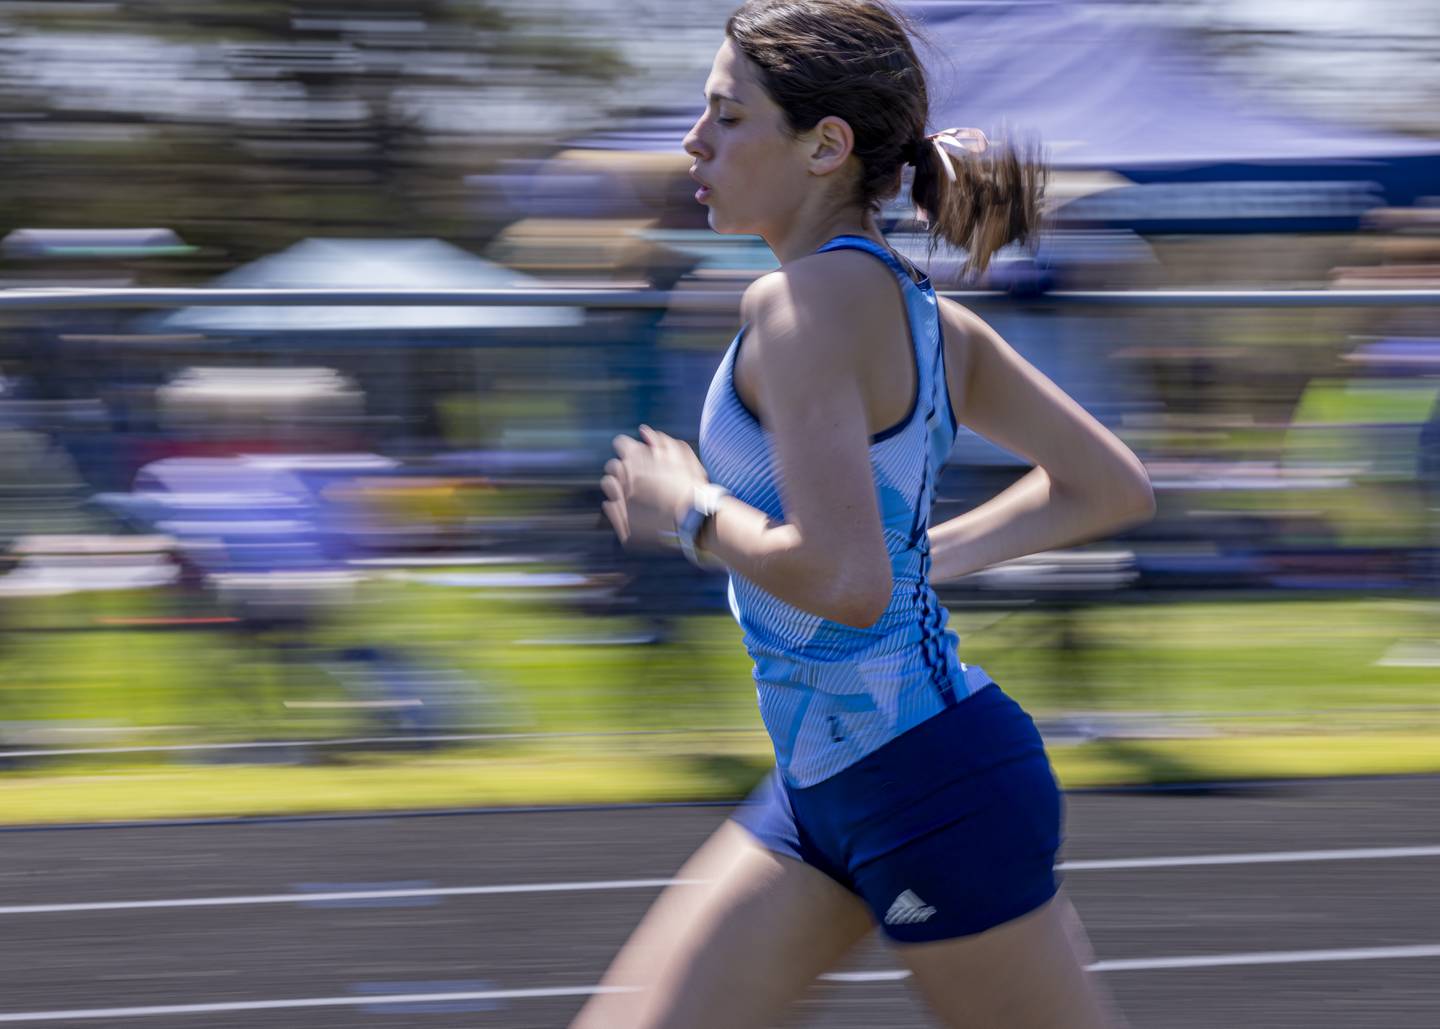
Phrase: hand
(649, 487)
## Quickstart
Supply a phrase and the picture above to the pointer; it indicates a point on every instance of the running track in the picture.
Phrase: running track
(1314, 905)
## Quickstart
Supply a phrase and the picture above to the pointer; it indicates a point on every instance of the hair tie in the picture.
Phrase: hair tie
(957, 141)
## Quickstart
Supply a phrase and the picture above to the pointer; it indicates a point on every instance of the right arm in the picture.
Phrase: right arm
(1085, 484)
(808, 325)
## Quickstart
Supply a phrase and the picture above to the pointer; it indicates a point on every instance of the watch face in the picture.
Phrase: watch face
(691, 524)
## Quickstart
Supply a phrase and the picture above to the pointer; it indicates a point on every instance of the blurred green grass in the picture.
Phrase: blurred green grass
(1265, 687)
(573, 772)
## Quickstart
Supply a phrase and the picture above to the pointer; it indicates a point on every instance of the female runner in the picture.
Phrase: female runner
(910, 792)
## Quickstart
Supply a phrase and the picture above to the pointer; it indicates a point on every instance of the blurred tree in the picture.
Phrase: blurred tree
(246, 124)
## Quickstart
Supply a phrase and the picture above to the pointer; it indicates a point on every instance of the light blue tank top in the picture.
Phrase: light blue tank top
(831, 693)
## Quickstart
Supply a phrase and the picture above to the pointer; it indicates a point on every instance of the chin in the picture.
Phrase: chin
(727, 226)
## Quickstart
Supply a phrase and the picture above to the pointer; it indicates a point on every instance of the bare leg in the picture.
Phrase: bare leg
(1026, 974)
(733, 952)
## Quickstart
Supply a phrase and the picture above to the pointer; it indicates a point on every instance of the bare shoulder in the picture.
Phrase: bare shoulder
(963, 332)
(989, 380)
(963, 325)
(820, 302)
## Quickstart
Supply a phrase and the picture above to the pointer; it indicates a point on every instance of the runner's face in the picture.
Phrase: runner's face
(753, 172)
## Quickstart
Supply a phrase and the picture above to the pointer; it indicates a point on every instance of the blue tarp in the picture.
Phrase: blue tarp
(1109, 87)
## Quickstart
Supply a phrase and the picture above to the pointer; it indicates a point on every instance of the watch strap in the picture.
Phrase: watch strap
(703, 506)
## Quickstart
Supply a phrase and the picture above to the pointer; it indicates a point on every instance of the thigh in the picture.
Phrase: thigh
(733, 951)
(1028, 973)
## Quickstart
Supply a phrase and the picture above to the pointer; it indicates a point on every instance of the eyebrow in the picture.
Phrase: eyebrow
(712, 97)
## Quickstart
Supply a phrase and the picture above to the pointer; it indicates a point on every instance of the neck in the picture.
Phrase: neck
(798, 241)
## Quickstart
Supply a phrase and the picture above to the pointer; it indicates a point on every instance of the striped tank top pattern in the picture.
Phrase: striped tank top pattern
(831, 693)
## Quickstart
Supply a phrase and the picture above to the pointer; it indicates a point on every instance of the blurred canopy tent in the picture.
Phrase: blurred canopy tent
(369, 264)
(31, 244)
(218, 399)
(1106, 87)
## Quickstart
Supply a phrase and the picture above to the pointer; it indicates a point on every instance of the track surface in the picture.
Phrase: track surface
(1360, 911)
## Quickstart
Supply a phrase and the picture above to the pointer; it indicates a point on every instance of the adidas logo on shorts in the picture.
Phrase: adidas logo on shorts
(908, 909)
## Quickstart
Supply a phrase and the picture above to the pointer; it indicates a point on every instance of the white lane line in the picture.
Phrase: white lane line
(305, 1002)
(1260, 858)
(867, 977)
(1186, 861)
(1278, 957)
(1269, 957)
(343, 895)
(1262, 957)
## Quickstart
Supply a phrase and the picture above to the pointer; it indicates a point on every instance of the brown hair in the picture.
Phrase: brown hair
(853, 59)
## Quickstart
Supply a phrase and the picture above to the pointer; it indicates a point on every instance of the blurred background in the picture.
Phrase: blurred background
(334, 538)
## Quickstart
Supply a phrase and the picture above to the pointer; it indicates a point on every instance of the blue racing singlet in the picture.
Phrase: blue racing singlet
(831, 693)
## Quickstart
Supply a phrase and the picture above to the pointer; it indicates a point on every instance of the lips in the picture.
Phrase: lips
(704, 191)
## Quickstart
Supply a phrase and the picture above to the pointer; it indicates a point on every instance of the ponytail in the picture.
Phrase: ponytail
(993, 200)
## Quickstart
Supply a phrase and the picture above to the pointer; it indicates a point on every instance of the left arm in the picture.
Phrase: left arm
(1085, 484)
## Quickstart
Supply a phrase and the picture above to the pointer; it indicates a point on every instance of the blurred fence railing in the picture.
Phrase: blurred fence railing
(61, 298)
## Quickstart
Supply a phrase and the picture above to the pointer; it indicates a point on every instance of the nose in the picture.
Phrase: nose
(692, 143)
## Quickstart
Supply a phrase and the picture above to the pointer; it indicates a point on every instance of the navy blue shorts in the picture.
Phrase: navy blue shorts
(947, 830)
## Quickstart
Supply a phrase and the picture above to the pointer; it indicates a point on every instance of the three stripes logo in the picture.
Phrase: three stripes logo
(908, 909)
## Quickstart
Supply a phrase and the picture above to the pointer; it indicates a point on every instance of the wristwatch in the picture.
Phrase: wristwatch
(703, 505)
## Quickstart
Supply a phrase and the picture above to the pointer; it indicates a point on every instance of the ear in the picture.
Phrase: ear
(831, 141)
